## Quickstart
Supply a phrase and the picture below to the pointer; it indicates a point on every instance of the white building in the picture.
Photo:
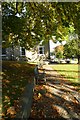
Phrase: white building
(20, 53)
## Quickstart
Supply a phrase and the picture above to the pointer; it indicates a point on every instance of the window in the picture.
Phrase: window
(23, 51)
(41, 50)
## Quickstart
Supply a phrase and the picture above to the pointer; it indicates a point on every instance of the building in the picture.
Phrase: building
(20, 53)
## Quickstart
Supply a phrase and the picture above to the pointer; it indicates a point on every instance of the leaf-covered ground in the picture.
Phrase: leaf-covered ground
(15, 76)
(57, 99)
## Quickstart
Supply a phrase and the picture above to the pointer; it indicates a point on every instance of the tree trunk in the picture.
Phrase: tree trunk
(79, 60)
(48, 49)
(79, 48)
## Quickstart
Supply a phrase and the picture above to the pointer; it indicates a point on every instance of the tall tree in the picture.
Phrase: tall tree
(31, 22)
(12, 24)
(71, 49)
(59, 51)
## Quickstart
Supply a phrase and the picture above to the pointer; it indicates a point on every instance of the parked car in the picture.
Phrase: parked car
(62, 61)
(55, 60)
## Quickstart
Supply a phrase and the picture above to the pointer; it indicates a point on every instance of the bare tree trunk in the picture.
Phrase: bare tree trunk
(48, 49)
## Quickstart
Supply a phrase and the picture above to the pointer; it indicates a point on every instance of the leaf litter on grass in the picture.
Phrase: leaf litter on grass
(15, 78)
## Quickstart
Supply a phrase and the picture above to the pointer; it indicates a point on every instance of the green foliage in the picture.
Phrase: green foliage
(71, 48)
(12, 25)
(59, 54)
(59, 51)
(30, 22)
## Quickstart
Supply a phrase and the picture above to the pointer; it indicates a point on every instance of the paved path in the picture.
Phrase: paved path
(56, 99)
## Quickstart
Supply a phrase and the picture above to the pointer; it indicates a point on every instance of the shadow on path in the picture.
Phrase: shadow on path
(57, 99)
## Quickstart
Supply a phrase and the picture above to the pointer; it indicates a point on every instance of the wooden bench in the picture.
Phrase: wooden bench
(39, 75)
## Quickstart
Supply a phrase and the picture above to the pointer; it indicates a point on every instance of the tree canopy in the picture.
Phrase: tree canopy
(59, 51)
(71, 49)
(27, 23)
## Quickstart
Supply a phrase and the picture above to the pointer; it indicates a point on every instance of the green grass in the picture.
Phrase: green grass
(69, 71)
(15, 75)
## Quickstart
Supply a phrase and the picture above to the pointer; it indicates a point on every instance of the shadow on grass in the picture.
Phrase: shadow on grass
(64, 70)
(63, 76)
(73, 78)
(57, 99)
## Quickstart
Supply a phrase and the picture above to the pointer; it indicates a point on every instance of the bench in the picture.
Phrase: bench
(39, 75)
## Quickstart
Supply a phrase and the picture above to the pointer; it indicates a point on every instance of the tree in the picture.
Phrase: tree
(28, 27)
(39, 21)
(12, 25)
(70, 16)
(59, 51)
(71, 49)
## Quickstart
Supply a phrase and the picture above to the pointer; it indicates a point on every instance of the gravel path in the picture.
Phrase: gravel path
(57, 99)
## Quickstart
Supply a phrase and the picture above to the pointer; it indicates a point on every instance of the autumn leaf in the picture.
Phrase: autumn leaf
(11, 110)
(39, 95)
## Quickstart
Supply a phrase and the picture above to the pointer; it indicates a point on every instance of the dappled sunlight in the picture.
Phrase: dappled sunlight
(53, 90)
(70, 87)
(65, 113)
(67, 89)
(68, 97)
(60, 77)
(69, 71)
(7, 99)
(61, 111)
(56, 99)
(49, 95)
(60, 88)
(63, 91)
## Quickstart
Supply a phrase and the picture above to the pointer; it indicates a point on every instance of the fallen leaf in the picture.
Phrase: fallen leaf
(11, 111)
(39, 95)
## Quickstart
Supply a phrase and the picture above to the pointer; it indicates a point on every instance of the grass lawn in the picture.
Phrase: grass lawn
(69, 71)
(15, 75)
